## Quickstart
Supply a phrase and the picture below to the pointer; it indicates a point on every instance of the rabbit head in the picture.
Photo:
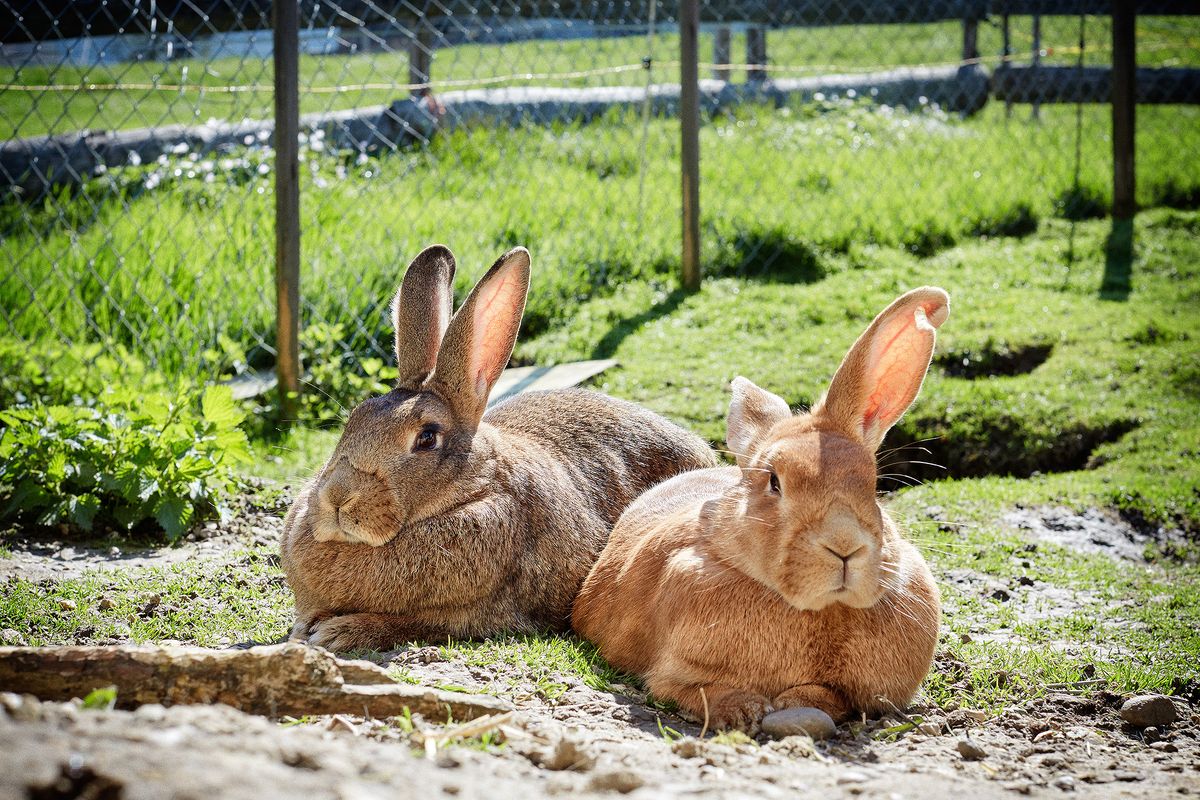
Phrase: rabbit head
(400, 453)
(804, 520)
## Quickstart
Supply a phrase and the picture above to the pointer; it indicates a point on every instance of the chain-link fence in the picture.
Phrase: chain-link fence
(138, 169)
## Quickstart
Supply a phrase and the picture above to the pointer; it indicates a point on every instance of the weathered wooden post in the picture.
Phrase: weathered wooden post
(286, 23)
(689, 126)
(420, 57)
(756, 54)
(722, 48)
(1124, 92)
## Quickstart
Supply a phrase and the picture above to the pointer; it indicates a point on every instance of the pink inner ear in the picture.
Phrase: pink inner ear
(899, 357)
(494, 325)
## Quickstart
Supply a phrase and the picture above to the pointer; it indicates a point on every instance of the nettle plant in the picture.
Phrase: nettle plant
(129, 461)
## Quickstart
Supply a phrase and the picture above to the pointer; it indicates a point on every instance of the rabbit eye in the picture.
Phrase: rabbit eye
(428, 439)
(773, 484)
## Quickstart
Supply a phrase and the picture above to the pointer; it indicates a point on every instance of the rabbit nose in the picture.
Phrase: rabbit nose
(841, 551)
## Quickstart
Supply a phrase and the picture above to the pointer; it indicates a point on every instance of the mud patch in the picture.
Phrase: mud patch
(992, 360)
(1095, 530)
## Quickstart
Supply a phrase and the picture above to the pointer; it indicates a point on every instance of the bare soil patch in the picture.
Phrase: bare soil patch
(1095, 530)
(589, 742)
(567, 737)
(48, 554)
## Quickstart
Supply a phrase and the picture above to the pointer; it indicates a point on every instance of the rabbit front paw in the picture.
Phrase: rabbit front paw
(738, 710)
(359, 632)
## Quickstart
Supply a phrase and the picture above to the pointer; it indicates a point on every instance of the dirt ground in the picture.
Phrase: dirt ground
(583, 741)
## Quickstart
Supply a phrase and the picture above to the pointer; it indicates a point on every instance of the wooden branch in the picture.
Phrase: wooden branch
(274, 681)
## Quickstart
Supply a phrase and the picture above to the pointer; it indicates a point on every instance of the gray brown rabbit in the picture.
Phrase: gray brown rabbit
(435, 519)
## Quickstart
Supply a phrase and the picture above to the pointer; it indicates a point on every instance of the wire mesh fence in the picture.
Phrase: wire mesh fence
(138, 168)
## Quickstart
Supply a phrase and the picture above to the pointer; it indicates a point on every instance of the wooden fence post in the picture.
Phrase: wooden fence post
(420, 56)
(756, 54)
(287, 203)
(689, 126)
(722, 48)
(1124, 92)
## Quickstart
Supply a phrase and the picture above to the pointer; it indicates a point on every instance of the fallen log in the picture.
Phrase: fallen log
(38, 163)
(274, 681)
(1063, 84)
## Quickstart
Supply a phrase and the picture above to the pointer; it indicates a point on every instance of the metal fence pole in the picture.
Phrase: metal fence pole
(756, 54)
(970, 51)
(689, 126)
(1036, 58)
(420, 57)
(722, 50)
(1124, 89)
(286, 22)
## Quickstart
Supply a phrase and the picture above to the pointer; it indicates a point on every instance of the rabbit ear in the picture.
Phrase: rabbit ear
(880, 377)
(481, 335)
(752, 412)
(421, 311)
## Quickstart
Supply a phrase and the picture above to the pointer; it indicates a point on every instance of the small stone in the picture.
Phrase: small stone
(1126, 776)
(106, 604)
(1025, 580)
(688, 748)
(11, 638)
(67, 605)
(1165, 747)
(567, 755)
(151, 712)
(792, 721)
(974, 714)
(930, 728)
(965, 638)
(339, 723)
(1149, 710)
(1151, 735)
(970, 751)
(615, 780)
(1064, 782)
(114, 552)
(852, 776)
(23, 708)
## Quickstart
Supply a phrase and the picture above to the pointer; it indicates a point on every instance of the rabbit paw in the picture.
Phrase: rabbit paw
(305, 625)
(737, 709)
(358, 632)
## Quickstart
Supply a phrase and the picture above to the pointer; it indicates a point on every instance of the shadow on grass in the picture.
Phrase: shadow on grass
(771, 255)
(1118, 262)
(609, 343)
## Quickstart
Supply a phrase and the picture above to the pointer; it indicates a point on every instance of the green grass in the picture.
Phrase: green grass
(1133, 626)
(201, 602)
(372, 79)
(790, 193)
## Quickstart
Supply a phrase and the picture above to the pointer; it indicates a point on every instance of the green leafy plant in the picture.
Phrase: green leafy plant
(129, 461)
(102, 699)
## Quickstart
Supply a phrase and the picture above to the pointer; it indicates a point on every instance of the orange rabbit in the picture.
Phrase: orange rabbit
(780, 582)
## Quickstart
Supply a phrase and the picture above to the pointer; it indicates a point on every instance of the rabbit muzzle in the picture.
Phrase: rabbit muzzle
(354, 506)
